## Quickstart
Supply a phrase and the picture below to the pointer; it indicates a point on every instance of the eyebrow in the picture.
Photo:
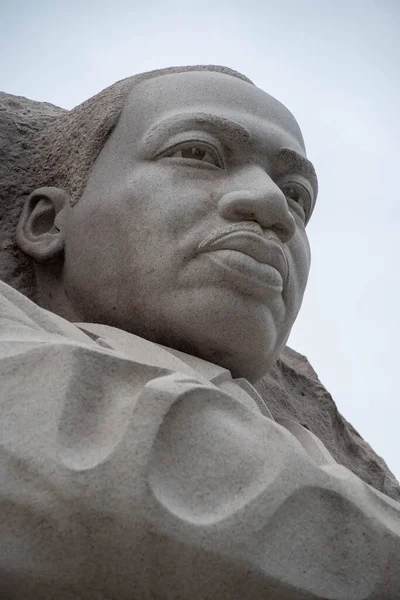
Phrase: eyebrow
(228, 128)
(297, 161)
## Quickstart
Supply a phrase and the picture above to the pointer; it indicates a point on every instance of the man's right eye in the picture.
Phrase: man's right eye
(196, 152)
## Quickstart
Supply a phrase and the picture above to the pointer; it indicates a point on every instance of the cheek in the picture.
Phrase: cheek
(96, 246)
(301, 253)
(303, 263)
(168, 205)
(299, 268)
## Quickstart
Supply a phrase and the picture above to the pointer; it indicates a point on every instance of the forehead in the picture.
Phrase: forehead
(213, 93)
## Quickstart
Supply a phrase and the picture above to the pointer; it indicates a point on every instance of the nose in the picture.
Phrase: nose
(258, 198)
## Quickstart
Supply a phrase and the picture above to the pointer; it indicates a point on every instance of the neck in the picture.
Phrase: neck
(51, 294)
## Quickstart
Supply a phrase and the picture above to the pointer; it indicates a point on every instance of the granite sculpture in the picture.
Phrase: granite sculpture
(164, 260)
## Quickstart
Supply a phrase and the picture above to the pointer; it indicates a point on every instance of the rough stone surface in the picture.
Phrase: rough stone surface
(294, 390)
(20, 120)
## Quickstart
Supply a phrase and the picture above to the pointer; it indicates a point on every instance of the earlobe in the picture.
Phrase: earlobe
(41, 230)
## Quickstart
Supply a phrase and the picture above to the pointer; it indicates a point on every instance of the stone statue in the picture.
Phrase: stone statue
(165, 260)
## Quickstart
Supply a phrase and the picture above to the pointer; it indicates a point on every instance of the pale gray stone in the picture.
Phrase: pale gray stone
(292, 388)
(130, 471)
(165, 226)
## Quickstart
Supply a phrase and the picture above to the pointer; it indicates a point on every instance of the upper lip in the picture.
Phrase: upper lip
(250, 239)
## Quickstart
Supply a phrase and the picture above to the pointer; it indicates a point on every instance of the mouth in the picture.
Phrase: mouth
(243, 250)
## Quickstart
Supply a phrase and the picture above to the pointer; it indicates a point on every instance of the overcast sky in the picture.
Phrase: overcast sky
(335, 65)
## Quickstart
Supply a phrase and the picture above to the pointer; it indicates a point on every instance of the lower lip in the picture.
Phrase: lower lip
(247, 269)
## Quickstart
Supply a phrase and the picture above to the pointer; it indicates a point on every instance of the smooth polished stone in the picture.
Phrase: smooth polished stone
(163, 238)
(134, 478)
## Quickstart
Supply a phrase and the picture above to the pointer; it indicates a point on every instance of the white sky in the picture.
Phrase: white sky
(335, 65)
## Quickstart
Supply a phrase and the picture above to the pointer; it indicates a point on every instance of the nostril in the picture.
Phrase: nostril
(285, 231)
(282, 232)
(239, 213)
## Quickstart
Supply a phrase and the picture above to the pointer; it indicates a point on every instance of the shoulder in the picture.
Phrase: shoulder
(18, 315)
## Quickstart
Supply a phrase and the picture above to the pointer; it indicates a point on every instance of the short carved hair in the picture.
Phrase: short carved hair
(62, 155)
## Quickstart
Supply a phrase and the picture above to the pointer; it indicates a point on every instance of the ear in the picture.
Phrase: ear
(41, 227)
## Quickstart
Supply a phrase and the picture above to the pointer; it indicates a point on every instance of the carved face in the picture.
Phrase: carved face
(191, 230)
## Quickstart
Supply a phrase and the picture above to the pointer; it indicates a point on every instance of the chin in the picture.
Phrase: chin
(253, 367)
(241, 335)
(250, 358)
(246, 352)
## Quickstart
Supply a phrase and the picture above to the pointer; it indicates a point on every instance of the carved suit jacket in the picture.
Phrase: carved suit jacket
(130, 471)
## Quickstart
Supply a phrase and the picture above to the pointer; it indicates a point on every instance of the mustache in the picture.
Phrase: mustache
(245, 226)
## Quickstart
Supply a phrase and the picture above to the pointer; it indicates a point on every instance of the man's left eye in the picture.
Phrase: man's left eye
(196, 152)
(298, 194)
